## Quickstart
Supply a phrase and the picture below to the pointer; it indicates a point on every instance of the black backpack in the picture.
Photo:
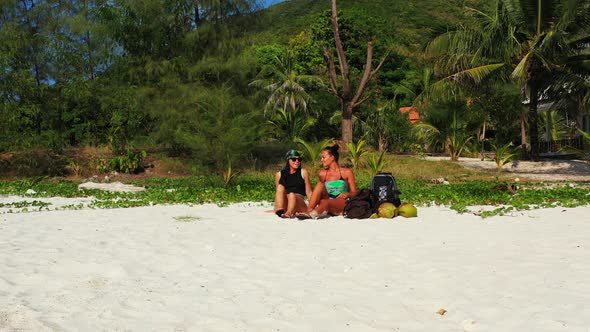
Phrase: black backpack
(384, 189)
(360, 206)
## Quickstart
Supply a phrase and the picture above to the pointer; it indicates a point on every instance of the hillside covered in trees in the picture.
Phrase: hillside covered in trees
(221, 81)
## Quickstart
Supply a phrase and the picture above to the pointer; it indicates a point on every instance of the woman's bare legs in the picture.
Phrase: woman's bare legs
(332, 206)
(319, 192)
(280, 200)
(295, 203)
(320, 204)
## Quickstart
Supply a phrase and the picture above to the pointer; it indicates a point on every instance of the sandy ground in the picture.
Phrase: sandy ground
(240, 268)
(546, 170)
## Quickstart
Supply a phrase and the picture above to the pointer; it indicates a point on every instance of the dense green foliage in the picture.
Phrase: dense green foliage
(213, 81)
(123, 73)
(540, 45)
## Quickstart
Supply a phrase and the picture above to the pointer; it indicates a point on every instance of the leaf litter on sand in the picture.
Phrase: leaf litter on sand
(187, 218)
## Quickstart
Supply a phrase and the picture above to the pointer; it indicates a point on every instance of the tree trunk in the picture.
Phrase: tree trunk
(347, 110)
(482, 140)
(548, 126)
(523, 141)
(533, 122)
(382, 142)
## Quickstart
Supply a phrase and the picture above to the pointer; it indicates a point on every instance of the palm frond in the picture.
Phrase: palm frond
(401, 89)
(376, 163)
(568, 10)
(444, 89)
(425, 131)
(478, 74)
(312, 150)
(521, 70)
(453, 86)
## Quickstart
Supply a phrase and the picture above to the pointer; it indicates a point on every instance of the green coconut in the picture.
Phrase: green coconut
(386, 210)
(407, 210)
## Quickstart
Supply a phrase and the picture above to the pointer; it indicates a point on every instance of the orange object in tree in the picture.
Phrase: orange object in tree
(414, 115)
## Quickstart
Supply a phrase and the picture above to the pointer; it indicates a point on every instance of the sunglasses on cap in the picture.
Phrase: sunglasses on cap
(296, 159)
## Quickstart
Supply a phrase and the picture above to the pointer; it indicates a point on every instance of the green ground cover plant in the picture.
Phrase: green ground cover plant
(466, 188)
(25, 205)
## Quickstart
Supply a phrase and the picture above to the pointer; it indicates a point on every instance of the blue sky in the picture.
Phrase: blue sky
(267, 3)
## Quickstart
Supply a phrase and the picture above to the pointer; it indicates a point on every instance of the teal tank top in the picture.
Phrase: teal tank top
(336, 187)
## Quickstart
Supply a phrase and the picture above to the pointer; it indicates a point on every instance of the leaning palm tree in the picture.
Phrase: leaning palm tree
(536, 43)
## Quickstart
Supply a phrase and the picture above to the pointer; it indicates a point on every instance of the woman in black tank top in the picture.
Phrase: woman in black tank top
(292, 185)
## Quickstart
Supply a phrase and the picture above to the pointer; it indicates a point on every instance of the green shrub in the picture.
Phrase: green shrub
(128, 163)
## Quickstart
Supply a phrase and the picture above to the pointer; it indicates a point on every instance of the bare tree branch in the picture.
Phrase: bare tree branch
(380, 63)
(362, 101)
(340, 51)
(332, 70)
(366, 75)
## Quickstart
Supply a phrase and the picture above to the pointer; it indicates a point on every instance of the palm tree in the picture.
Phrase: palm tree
(285, 85)
(539, 44)
(447, 127)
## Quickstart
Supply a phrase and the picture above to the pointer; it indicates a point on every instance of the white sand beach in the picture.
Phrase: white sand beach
(240, 268)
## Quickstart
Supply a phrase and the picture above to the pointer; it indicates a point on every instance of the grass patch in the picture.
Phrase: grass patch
(169, 165)
(410, 167)
(412, 174)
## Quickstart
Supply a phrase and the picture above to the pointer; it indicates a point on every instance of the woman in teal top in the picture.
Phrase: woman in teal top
(335, 186)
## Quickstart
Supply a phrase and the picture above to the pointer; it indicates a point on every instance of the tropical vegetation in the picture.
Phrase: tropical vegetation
(227, 82)
(540, 45)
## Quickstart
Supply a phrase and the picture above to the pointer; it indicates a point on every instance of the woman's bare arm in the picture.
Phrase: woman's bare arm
(348, 175)
(277, 179)
(307, 182)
